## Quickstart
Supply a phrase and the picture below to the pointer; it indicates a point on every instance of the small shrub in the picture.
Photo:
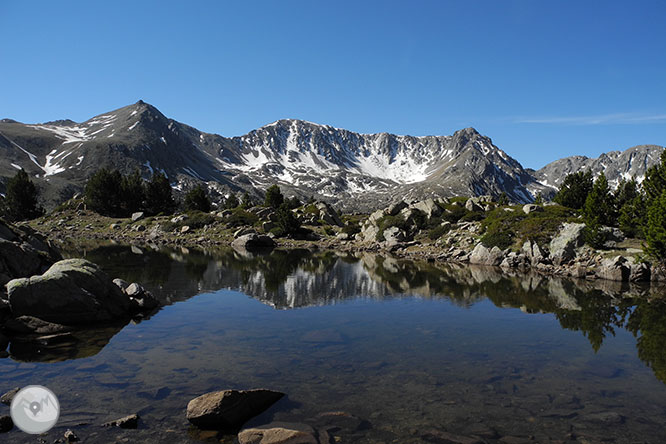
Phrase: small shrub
(240, 217)
(351, 229)
(473, 216)
(329, 231)
(501, 240)
(453, 213)
(198, 219)
(438, 232)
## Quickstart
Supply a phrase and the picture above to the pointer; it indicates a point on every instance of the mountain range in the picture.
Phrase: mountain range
(350, 170)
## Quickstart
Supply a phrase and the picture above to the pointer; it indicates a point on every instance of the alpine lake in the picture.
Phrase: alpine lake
(402, 352)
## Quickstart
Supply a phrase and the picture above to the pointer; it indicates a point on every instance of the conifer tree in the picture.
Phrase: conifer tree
(574, 190)
(20, 201)
(197, 200)
(655, 235)
(599, 208)
(274, 197)
(159, 195)
(231, 202)
(103, 193)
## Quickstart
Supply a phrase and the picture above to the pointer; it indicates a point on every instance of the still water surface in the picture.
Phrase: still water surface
(406, 350)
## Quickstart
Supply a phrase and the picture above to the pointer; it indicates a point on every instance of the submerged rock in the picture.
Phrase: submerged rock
(72, 291)
(229, 409)
(281, 433)
(126, 422)
(7, 397)
(6, 424)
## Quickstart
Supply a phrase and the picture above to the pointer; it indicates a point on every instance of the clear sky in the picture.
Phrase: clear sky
(543, 79)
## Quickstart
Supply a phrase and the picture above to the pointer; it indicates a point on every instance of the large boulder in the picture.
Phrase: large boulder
(532, 208)
(395, 208)
(429, 207)
(393, 236)
(71, 291)
(533, 253)
(615, 269)
(229, 409)
(253, 241)
(563, 246)
(481, 255)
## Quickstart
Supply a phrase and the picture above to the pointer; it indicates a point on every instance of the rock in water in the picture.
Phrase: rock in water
(279, 433)
(229, 409)
(6, 424)
(72, 291)
(126, 422)
(253, 241)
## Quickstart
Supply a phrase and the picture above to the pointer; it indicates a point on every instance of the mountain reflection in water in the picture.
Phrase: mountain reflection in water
(288, 279)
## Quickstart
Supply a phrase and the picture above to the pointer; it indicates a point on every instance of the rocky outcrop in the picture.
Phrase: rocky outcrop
(72, 291)
(563, 246)
(533, 253)
(615, 269)
(229, 409)
(23, 252)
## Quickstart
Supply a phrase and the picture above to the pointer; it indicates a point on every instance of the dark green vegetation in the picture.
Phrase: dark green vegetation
(197, 200)
(274, 197)
(504, 229)
(20, 201)
(112, 194)
(638, 210)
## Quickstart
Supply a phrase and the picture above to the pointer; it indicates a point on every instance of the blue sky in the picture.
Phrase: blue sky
(543, 79)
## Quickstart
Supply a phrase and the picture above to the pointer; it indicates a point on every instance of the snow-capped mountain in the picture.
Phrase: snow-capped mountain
(616, 165)
(348, 169)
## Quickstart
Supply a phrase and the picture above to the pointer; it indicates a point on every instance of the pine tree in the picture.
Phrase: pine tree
(539, 199)
(655, 234)
(103, 193)
(159, 195)
(133, 192)
(286, 221)
(197, 200)
(633, 217)
(503, 199)
(574, 190)
(246, 201)
(599, 208)
(20, 202)
(655, 180)
(274, 197)
(231, 202)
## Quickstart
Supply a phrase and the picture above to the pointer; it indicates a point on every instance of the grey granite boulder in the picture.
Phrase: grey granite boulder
(71, 291)
(482, 255)
(615, 269)
(229, 409)
(282, 433)
(253, 241)
(563, 246)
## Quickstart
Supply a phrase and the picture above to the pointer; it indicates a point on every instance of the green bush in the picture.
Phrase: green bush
(240, 217)
(351, 228)
(453, 213)
(198, 219)
(437, 232)
(387, 221)
(502, 239)
(473, 216)
(329, 231)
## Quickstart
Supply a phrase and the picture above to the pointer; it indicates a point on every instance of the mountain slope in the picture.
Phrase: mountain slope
(348, 169)
(616, 165)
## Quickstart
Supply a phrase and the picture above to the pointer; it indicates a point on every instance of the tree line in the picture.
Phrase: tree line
(637, 209)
